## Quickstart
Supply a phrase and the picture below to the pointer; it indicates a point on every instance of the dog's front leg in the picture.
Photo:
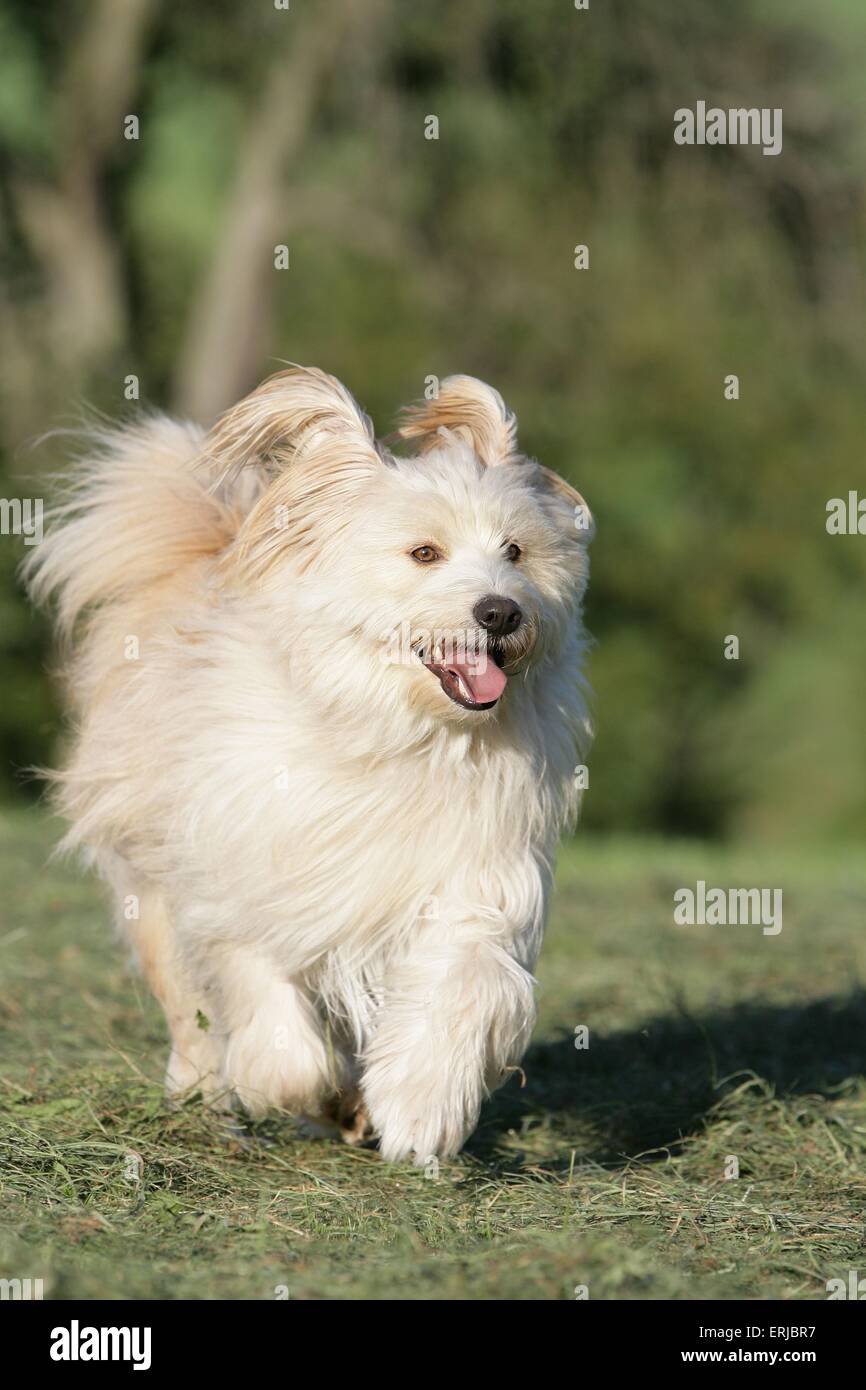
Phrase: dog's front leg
(455, 1015)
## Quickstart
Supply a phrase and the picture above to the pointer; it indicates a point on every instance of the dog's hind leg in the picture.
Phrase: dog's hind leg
(277, 1050)
(345, 1115)
(196, 1055)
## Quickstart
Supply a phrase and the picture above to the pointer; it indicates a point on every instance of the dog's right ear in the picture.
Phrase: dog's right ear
(313, 448)
(297, 416)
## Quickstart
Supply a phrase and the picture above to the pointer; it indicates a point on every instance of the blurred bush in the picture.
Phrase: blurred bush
(409, 257)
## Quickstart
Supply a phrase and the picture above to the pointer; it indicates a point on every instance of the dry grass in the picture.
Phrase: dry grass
(606, 1170)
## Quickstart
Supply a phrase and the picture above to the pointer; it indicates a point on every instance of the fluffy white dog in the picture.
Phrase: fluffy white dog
(328, 709)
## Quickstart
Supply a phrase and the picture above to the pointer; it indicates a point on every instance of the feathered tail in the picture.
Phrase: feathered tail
(136, 510)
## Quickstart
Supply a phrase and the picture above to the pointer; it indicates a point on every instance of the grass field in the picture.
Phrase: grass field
(605, 1170)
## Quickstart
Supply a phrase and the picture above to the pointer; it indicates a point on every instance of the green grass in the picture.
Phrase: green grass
(607, 1169)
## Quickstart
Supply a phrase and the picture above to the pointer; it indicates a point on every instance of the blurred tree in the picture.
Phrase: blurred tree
(411, 256)
(67, 255)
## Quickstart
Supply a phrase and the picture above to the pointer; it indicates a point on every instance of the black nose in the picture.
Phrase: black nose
(496, 615)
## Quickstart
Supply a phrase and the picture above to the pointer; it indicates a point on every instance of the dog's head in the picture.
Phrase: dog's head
(433, 579)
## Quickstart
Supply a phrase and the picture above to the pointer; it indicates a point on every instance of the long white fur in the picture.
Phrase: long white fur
(343, 870)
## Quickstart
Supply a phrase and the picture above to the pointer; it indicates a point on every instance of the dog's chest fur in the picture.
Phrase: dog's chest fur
(354, 850)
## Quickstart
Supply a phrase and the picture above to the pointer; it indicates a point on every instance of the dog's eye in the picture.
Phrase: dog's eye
(513, 552)
(426, 554)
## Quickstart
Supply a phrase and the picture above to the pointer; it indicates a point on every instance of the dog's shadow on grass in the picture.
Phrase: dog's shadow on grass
(630, 1093)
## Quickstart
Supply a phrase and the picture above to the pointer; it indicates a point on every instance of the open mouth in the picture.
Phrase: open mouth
(474, 682)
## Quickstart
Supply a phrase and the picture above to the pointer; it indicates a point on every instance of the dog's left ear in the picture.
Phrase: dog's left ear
(470, 409)
(476, 413)
(571, 509)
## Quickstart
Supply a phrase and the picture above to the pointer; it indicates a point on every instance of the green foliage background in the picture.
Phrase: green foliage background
(411, 257)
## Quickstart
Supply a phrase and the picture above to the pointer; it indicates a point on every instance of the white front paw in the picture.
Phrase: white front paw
(420, 1116)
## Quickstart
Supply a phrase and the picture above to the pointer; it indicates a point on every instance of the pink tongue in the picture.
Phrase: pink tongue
(484, 680)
